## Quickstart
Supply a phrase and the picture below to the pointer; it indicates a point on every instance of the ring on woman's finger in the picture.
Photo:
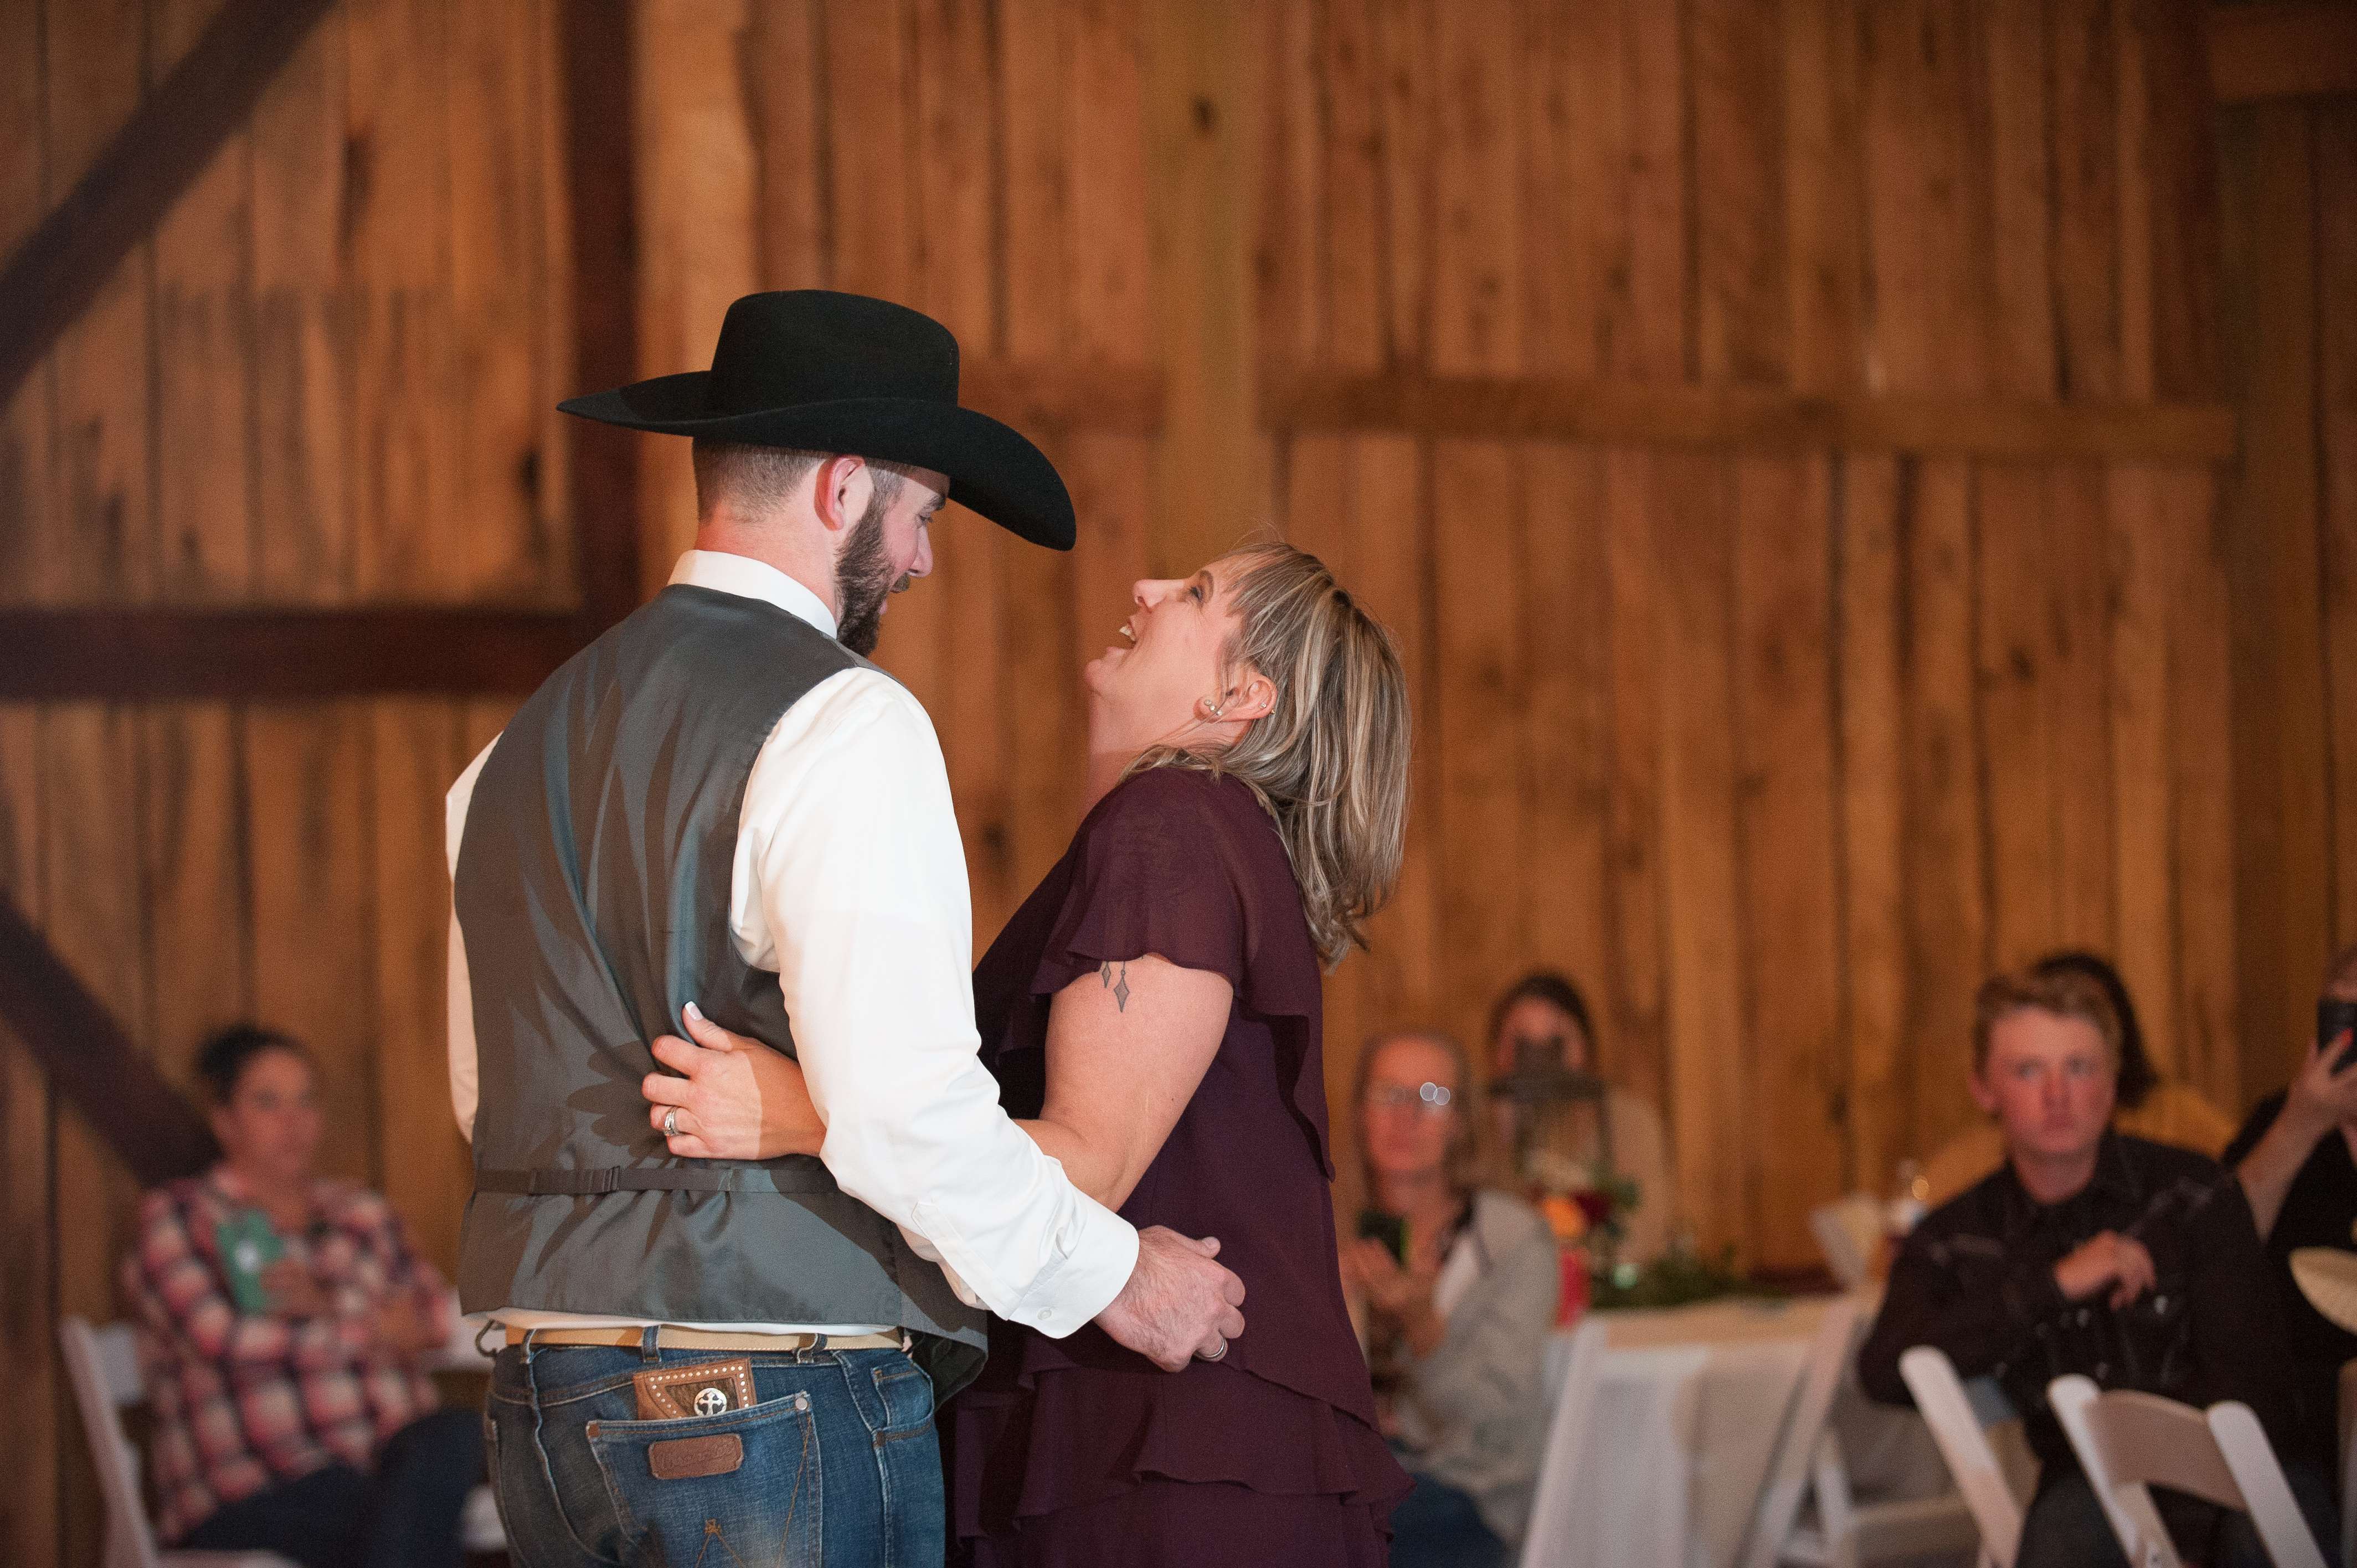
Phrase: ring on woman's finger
(1221, 1354)
(670, 1122)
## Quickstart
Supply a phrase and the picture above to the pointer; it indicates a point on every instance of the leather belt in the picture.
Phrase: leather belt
(670, 1337)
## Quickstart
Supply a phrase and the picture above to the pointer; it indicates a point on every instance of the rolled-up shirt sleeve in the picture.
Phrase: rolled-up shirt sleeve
(851, 884)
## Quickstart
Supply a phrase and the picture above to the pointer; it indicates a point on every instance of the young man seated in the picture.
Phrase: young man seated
(2132, 1263)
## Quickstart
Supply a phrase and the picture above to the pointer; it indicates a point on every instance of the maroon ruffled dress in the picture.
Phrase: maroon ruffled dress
(1076, 1451)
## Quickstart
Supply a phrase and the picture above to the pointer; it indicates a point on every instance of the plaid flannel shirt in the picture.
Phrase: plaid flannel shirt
(243, 1402)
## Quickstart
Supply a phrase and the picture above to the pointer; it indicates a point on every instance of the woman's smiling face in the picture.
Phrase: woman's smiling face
(1165, 676)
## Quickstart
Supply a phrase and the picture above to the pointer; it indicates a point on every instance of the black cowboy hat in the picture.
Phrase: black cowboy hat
(823, 372)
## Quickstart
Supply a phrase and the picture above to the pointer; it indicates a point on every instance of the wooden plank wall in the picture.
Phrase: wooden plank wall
(327, 380)
(1792, 443)
(2290, 204)
(1776, 747)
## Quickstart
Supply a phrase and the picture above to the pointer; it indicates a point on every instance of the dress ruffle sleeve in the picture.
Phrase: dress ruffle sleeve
(1165, 865)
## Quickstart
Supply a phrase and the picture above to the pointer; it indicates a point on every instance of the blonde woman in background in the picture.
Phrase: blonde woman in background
(1456, 1289)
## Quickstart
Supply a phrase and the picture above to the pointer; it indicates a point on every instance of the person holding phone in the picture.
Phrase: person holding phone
(282, 1315)
(1456, 1288)
(2294, 1156)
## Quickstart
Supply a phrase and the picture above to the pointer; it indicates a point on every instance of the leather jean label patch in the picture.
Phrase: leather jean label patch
(689, 1458)
(701, 1388)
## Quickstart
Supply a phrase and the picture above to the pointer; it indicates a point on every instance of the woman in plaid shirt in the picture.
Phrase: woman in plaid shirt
(282, 1315)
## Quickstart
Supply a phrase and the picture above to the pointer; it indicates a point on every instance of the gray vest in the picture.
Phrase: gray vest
(593, 889)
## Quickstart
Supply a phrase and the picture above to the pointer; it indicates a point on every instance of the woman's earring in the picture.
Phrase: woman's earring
(1216, 710)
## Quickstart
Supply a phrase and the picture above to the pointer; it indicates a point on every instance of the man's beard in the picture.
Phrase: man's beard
(863, 575)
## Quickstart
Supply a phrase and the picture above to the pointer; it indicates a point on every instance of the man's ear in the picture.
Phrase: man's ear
(1983, 1095)
(841, 489)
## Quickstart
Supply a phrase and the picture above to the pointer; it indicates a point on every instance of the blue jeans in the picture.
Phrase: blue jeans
(403, 1515)
(1436, 1526)
(2066, 1528)
(839, 1464)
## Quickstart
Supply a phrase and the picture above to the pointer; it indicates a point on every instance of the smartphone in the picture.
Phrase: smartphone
(2335, 1016)
(1391, 1229)
(248, 1247)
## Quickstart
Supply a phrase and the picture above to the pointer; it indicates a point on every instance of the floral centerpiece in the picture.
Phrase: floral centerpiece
(1588, 1212)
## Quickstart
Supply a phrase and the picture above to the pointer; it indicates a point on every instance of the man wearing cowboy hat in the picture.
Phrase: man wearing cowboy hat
(721, 809)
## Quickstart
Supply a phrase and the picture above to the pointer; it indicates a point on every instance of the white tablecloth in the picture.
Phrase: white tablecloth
(1688, 1409)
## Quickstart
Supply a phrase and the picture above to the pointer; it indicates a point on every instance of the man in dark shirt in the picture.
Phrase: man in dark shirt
(2088, 1251)
(2294, 1156)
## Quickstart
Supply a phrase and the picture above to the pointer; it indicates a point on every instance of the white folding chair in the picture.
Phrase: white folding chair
(1809, 1464)
(1848, 1232)
(2128, 1441)
(103, 1364)
(1960, 1425)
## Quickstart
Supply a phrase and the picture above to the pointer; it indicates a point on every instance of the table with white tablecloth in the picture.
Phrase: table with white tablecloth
(1686, 1409)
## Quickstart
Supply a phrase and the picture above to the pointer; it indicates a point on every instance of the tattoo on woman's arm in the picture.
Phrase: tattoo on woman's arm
(1118, 983)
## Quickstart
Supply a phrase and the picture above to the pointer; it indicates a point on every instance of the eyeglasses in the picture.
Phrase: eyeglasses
(1431, 1099)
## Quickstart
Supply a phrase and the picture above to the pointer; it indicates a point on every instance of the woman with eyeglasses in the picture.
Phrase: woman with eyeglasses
(1456, 1288)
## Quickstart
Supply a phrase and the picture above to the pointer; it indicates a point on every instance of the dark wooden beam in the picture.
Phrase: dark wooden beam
(600, 164)
(1744, 418)
(169, 655)
(1064, 395)
(2283, 49)
(150, 1125)
(179, 125)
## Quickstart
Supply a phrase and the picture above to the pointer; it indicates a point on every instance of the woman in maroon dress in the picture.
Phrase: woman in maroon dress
(1152, 1015)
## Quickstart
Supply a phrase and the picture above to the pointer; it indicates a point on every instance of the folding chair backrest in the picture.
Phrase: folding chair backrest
(103, 1364)
(2128, 1441)
(1959, 1426)
(2282, 1530)
(1848, 1229)
(1788, 1483)
(2162, 1442)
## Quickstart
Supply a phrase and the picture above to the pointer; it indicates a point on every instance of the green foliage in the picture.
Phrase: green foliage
(1679, 1279)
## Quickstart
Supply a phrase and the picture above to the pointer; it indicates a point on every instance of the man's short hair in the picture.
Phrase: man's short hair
(759, 478)
(2066, 993)
(763, 479)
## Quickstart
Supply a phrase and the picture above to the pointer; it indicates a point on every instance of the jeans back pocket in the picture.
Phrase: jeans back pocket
(739, 1490)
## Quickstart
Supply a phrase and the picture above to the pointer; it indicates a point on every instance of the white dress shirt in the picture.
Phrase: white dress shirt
(849, 883)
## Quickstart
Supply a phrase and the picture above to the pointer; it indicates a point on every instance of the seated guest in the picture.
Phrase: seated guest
(2293, 1156)
(2147, 1108)
(2090, 1252)
(1457, 1319)
(1542, 1023)
(281, 1315)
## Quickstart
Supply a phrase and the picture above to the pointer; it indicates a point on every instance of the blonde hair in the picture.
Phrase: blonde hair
(1462, 1161)
(1330, 759)
(2066, 993)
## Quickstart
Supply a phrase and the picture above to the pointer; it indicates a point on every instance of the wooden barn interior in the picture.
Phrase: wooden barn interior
(1868, 490)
